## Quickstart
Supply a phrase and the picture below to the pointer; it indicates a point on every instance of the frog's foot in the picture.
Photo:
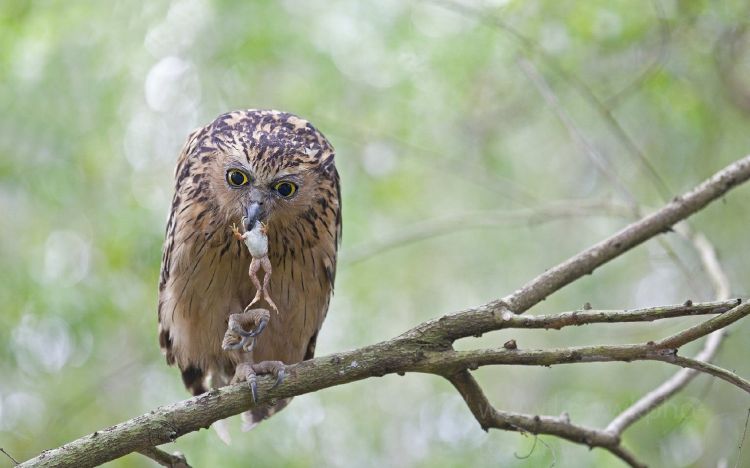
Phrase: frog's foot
(270, 301)
(257, 297)
(243, 328)
(249, 372)
(236, 232)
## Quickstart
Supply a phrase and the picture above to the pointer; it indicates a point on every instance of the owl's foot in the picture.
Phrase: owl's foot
(249, 372)
(243, 328)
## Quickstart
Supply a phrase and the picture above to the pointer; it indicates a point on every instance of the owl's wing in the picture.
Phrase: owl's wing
(173, 251)
(329, 267)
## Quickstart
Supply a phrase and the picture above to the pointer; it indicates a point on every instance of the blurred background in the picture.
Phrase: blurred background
(478, 144)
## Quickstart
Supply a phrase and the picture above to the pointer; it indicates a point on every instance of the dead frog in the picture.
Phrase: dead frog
(256, 240)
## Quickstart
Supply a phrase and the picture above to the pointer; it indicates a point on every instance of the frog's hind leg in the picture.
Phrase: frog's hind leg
(255, 265)
(266, 263)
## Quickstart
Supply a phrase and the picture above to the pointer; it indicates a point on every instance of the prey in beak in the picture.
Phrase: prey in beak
(253, 214)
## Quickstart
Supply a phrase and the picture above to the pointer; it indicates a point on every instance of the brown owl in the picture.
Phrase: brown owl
(260, 165)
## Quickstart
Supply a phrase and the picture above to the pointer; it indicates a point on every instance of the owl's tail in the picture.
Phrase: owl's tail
(252, 418)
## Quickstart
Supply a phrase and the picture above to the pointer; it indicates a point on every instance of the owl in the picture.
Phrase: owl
(259, 165)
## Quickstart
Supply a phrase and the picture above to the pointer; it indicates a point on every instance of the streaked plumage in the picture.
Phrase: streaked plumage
(204, 275)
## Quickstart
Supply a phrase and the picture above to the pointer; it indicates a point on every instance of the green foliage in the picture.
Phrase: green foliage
(431, 116)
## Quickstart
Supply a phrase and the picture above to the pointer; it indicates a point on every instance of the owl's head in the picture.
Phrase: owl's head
(265, 165)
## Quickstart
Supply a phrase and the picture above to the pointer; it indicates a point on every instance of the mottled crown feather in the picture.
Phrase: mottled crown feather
(277, 139)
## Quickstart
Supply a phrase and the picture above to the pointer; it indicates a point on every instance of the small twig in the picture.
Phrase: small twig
(15, 462)
(696, 401)
(580, 140)
(533, 48)
(653, 68)
(710, 261)
(551, 451)
(742, 440)
(175, 460)
(708, 368)
(477, 220)
(586, 317)
(531, 450)
(703, 329)
(728, 51)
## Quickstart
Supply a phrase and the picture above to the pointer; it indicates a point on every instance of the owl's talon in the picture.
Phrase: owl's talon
(249, 372)
(259, 328)
(253, 381)
(281, 375)
(232, 341)
(243, 328)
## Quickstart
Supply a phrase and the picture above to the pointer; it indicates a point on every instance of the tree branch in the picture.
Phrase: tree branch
(176, 460)
(703, 329)
(490, 418)
(585, 317)
(427, 348)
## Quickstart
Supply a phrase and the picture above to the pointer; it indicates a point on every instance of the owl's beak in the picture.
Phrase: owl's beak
(252, 214)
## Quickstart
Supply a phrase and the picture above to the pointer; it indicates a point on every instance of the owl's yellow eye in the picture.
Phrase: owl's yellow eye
(237, 178)
(285, 189)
